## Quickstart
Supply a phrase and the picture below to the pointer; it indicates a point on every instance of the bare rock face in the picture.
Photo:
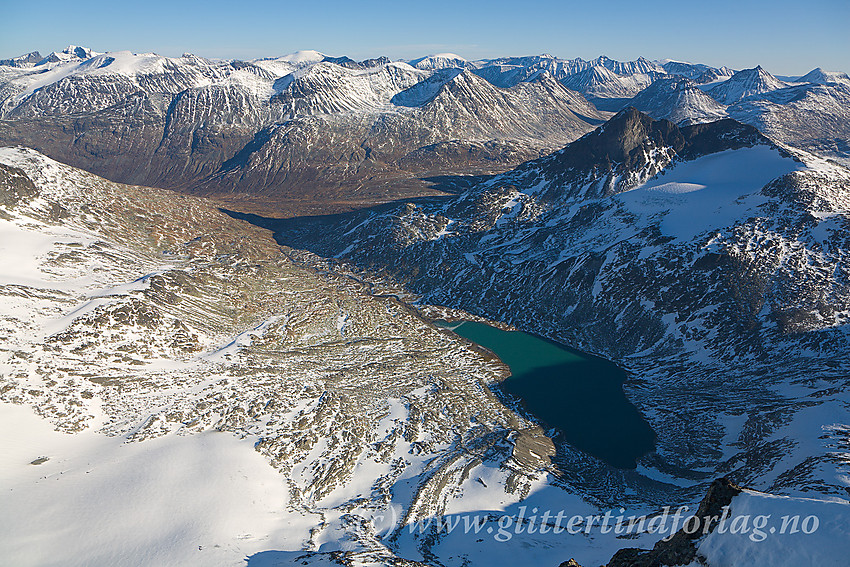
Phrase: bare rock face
(680, 549)
(15, 186)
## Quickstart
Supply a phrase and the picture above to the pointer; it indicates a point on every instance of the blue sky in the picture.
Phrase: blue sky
(786, 37)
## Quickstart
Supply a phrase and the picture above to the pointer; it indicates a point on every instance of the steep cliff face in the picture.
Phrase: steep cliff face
(704, 259)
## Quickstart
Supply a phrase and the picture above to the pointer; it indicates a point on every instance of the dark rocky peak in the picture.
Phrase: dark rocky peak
(627, 142)
(719, 136)
(352, 64)
(615, 141)
(681, 548)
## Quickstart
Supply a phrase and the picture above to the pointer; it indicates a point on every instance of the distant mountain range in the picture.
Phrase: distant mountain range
(307, 126)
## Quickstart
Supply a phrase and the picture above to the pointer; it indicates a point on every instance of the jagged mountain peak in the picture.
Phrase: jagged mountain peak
(614, 141)
(601, 82)
(591, 79)
(698, 72)
(639, 65)
(635, 145)
(72, 53)
(344, 61)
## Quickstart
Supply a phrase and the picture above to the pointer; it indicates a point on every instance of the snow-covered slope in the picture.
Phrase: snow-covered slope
(678, 100)
(99, 500)
(702, 258)
(745, 84)
(821, 77)
(780, 531)
(440, 61)
(601, 82)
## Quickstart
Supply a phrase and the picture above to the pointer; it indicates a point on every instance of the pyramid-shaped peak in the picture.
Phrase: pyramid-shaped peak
(821, 77)
(745, 83)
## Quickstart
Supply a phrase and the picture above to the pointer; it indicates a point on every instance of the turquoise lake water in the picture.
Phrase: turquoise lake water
(578, 394)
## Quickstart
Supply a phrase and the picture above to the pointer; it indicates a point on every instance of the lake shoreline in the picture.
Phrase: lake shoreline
(577, 394)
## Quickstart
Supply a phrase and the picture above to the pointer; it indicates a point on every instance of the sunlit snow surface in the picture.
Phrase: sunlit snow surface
(177, 500)
(713, 191)
(827, 546)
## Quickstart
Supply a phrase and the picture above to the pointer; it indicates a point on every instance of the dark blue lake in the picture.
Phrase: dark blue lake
(578, 394)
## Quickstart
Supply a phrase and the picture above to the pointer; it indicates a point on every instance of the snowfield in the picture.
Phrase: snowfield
(816, 532)
(204, 499)
(716, 190)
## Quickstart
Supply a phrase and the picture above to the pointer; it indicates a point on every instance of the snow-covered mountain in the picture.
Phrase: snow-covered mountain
(440, 61)
(697, 72)
(811, 113)
(26, 60)
(810, 116)
(640, 66)
(821, 77)
(194, 123)
(288, 126)
(702, 258)
(743, 84)
(678, 100)
(71, 54)
(600, 82)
